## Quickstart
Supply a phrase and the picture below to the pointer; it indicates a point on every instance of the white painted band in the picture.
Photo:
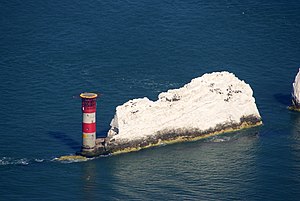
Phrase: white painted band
(89, 118)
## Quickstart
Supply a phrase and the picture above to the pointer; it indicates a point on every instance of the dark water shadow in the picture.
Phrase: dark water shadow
(65, 139)
(284, 99)
(102, 133)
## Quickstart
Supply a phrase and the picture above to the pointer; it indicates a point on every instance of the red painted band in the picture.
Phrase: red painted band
(89, 105)
(89, 128)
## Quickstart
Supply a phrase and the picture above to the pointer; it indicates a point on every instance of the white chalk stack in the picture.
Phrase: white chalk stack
(204, 105)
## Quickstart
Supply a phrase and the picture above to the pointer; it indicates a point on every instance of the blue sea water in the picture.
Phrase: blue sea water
(53, 50)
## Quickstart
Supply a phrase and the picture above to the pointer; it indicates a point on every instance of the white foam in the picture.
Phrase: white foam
(12, 161)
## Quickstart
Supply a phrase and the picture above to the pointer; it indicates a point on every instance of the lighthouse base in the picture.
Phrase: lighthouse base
(98, 150)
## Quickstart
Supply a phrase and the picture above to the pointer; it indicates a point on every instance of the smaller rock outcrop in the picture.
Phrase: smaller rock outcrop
(296, 93)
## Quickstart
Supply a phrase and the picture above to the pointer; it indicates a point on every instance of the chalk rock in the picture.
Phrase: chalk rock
(211, 103)
(296, 91)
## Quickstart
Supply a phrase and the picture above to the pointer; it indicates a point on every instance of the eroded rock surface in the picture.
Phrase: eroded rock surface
(210, 104)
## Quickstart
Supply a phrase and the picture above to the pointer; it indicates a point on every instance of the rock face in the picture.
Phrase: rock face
(211, 104)
(296, 93)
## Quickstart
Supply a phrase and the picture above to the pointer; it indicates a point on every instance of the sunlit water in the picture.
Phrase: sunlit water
(53, 50)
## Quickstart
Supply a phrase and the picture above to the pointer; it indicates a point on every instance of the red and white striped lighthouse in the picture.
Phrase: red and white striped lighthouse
(89, 106)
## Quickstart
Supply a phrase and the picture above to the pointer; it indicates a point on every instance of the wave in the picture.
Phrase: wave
(9, 161)
(219, 139)
(21, 161)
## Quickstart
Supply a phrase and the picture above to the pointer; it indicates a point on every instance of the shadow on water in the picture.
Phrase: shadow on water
(65, 139)
(89, 176)
(284, 99)
(98, 180)
(102, 133)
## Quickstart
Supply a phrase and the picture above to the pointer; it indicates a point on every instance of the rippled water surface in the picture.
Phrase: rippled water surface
(53, 50)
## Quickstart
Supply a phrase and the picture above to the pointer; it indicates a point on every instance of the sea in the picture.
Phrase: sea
(51, 51)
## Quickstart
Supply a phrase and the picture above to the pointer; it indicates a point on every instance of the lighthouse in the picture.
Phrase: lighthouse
(89, 105)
